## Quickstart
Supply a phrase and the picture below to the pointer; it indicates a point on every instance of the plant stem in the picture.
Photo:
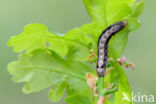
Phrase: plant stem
(100, 89)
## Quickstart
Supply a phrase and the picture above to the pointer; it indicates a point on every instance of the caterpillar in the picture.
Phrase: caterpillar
(103, 45)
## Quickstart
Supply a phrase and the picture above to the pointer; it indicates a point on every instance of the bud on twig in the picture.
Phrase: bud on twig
(123, 61)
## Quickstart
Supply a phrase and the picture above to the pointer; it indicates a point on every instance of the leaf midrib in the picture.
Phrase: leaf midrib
(61, 72)
(66, 39)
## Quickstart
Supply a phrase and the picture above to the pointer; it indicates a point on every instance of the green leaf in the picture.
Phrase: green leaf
(94, 29)
(112, 98)
(33, 37)
(118, 43)
(78, 99)
(77, 86)
(75, 44)
(57, 91)
(44, 68)
(108, 11)
(138, 8)
(117, 75)
(123, 87)
(133, 24)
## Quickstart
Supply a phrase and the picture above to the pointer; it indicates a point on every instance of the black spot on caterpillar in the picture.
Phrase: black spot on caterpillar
(103, 45)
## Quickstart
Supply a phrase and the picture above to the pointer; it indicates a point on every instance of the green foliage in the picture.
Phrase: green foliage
(61, 60)
(36, 36)
(78, 99)
(137, 9)
(33, 37)
(57, 91)
(44, 68)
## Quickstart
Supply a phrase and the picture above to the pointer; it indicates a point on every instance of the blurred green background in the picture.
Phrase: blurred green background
(61, 16)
